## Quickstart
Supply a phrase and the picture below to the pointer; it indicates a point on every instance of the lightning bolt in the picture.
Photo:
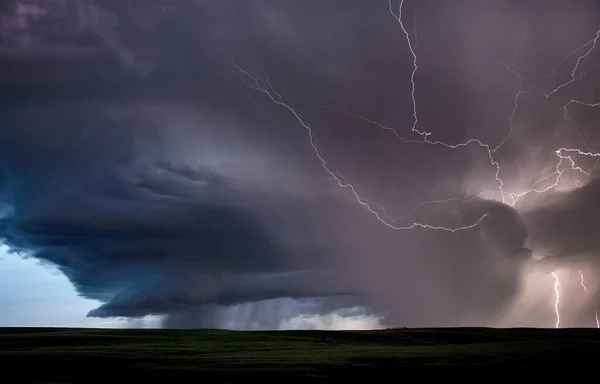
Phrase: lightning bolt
(266, 88)
(556, 299)
(564, 163)
(413, 53)
(591, 45)
(585, 289)
(582, 282)
(513, 197)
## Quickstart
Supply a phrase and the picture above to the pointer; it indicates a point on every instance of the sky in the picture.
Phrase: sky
(336, 164)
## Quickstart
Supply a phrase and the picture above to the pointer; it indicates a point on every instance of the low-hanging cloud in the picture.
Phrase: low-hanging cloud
(146, 235)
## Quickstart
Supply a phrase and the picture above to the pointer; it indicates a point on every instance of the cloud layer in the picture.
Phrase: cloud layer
(136, 159)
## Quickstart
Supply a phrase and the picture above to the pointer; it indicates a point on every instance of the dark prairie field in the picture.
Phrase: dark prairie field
(56, 354)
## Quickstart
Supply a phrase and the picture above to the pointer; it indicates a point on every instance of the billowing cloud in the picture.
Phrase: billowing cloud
(137, 160)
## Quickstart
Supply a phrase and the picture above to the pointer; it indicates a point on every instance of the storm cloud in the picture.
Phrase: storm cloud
(136, 158)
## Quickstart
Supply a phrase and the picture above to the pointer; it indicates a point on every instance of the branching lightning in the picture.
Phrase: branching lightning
(564, 156)
(265, 87)
(589, 47)
(556, 299)
(564, 161)
(510, 198)
(582, 282)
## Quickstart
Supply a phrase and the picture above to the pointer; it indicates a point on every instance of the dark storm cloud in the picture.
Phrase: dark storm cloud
(565, 226)
(143, 233)
(436, 278)
(136, 160)
(158, 241)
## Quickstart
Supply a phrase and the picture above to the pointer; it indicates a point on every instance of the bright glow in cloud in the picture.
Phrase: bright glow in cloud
(332, 321)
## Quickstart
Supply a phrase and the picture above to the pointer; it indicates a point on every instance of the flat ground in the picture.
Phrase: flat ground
(57, 354)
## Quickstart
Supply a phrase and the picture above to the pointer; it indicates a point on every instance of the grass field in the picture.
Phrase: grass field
(62, 354)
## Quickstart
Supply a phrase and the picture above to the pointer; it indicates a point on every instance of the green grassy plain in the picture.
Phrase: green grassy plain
(75, 355)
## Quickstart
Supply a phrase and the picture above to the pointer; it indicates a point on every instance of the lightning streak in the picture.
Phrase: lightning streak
(266, 88)
(582, 282)
(556, 299)
(592, 44)
(413, 53)
(513, 197)
(585, 289)
(564, 160)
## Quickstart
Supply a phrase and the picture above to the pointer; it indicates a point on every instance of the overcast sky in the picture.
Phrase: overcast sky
(285, 164)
